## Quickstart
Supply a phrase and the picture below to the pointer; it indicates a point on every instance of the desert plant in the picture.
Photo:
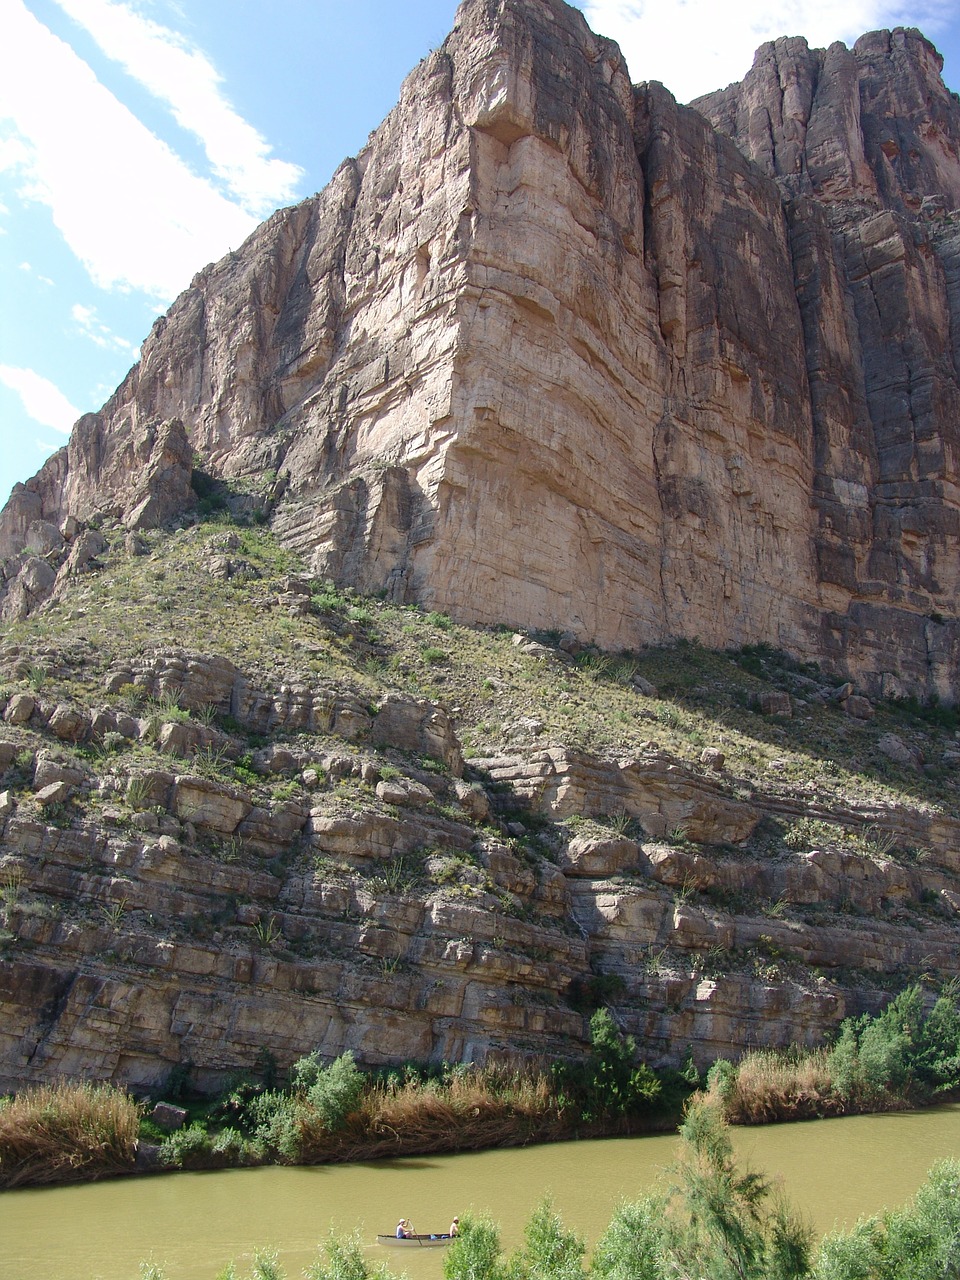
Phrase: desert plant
(267, 931)
(11, 886)
(113, 913)
(137, 793)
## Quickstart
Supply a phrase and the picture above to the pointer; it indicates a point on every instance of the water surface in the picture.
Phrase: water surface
(194, 1223)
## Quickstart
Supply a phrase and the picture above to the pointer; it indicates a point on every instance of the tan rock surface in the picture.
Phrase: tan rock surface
(517, 360)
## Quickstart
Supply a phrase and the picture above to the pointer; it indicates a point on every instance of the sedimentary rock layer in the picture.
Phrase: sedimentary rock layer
(165, 913)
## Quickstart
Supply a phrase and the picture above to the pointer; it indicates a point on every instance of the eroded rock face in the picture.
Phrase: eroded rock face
(556, 351)
(342, 895)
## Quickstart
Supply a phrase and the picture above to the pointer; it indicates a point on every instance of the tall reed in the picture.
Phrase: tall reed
(63, 1132)
(483, 1108)
(769, 1085)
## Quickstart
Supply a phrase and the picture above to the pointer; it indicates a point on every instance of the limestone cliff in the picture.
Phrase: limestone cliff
(355, 825)
(556, 351)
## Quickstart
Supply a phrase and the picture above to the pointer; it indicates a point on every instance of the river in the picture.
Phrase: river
(194, 1223)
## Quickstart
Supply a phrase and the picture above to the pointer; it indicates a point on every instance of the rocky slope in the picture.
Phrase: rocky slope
(244, 814)
(556, 351)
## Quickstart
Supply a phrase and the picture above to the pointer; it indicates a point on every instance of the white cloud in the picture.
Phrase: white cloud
(41, 400)
(125, 204)
(183, 77)
(696, 46)
(92, 327)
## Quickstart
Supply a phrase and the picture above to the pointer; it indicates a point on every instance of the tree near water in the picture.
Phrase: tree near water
(723, 1224)
(716, 1224)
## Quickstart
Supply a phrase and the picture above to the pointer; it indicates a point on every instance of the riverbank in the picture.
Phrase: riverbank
(905, 1057)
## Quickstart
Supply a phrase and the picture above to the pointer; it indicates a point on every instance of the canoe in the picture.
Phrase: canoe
(435, 1241)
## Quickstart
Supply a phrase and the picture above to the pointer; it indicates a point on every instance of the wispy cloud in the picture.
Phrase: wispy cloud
(41, 400)
(126, 205)
(28, 268)
(92, 327)
(181, 76)
(695, 46)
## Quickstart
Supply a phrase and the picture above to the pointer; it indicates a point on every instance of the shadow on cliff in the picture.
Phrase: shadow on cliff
(762, 695)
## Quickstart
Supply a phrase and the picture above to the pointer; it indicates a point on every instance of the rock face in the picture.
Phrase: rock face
(196, 916)
(556, 351)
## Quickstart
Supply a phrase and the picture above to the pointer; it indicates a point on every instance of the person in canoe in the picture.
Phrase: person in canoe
(454, 1227)
(404, 1229)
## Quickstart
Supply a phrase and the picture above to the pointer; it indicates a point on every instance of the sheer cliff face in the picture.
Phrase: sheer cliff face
(864, 146)
(556, 351)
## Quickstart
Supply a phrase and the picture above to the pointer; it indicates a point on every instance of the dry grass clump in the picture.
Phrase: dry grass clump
(766, 1086)
(62, 1132)
(465, 1113)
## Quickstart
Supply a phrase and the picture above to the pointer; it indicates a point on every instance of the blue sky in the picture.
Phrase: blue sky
(140, 139)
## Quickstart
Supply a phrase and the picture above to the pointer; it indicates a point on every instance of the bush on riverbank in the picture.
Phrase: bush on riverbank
(901, 1057)
(766, 1086)
(64, 1132)
(337, 1112)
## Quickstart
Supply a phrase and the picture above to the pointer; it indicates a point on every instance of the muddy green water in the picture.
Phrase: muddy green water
(193, 1223)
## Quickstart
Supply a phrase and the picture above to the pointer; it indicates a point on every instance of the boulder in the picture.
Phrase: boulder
(598, 857)
(20, 708)
(209, 804)
(899, 752)
(858, 707)
(472, 798)
(167, 1116)
(49, 770)
(68, 723)
(53, 793)
(775, 702)
(404, 792)
(418, 726)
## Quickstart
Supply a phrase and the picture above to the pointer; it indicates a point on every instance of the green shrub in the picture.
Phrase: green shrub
(188, 1148)
(899, 1052)
(723, 1227)
(475, 1253)
(275, 1122)
(548, 1252)
(332, 1091)
(918, 1242)
(231, 1147)
(938, 1053)
(343, 1259)
(633, 1246)
(608, 1084)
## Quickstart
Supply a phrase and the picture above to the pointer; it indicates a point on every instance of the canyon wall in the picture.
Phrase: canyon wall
(558, 352)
